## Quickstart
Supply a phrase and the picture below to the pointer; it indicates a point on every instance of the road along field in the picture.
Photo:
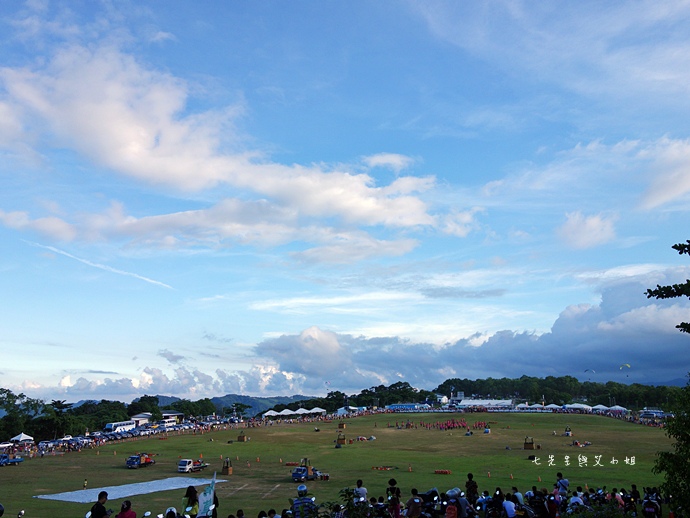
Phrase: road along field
(620, 454)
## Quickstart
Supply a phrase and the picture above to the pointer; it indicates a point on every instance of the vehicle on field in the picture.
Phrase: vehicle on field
(189, 465)
(305, 471)
(140, 460)
(6, 460)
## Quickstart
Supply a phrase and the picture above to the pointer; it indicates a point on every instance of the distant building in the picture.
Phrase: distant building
(141, 419)
(408, 407)
(350, 409)
(456, 398)
(442, 399)
(497, 404)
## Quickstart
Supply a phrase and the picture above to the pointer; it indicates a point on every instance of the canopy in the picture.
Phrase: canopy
(318, 410)
(270, 413)
(600, 407)
(286, 411)
(302, 411)
(618, 408)
(22, 437)
(579, 406)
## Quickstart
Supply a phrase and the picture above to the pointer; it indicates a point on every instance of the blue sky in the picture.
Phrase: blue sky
(277, 198)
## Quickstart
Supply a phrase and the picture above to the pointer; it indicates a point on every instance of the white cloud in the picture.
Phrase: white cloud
(393, 161)
(461, 223)
(581, 231)
(619, 329)
(671, 167)
(149, 137)
(607, 54)
(51, 227)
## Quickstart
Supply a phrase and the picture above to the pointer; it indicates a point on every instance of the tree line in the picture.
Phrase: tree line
(58, 418)
(559, 390)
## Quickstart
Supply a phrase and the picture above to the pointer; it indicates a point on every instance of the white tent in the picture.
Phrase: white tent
(579, 406)
(618, 408)
(286, 411)
(522, 406)
(537, 405)
(22, 437)
(553, 406)
(318, 410)
(270, 413)
(302, 411)
(600, 407)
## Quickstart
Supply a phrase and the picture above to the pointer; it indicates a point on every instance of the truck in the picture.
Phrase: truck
(305, 471)
(189, 465)
(140, 460)
(6, 460)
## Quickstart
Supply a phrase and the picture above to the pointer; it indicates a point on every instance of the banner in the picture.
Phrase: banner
(206, 499)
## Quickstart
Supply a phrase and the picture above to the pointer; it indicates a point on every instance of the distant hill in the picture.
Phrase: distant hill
(164, 401)
(256, 404)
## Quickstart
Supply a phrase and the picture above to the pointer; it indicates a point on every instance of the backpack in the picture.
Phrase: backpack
(452, 510)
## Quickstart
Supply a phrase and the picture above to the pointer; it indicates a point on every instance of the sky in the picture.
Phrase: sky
(277, 198)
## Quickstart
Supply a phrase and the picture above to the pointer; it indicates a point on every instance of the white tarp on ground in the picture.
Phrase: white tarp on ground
(85, 496)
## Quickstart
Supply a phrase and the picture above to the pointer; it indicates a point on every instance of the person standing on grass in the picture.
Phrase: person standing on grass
(562, 485)
(471, 489)
(360, 491)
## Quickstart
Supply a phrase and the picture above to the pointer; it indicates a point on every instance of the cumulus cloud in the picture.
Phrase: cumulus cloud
(150, 138)
(580, 231)
(625, 327)
(460, 223)
(51, 227)
(393, 161)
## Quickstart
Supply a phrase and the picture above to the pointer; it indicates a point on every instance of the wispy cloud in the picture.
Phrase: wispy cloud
(100, 266)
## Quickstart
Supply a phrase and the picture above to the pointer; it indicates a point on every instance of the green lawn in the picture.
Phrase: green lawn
(259, 480)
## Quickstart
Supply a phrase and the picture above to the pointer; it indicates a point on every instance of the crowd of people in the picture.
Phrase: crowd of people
(470, 502)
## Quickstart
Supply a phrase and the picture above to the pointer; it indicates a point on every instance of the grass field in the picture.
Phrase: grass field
(259, 481)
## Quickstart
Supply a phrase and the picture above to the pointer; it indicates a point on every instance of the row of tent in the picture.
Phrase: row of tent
(574, 406)
(299, 411)
(17, 439)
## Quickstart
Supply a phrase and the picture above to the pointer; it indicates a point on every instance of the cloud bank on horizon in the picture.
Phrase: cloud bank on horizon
(265, 199)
